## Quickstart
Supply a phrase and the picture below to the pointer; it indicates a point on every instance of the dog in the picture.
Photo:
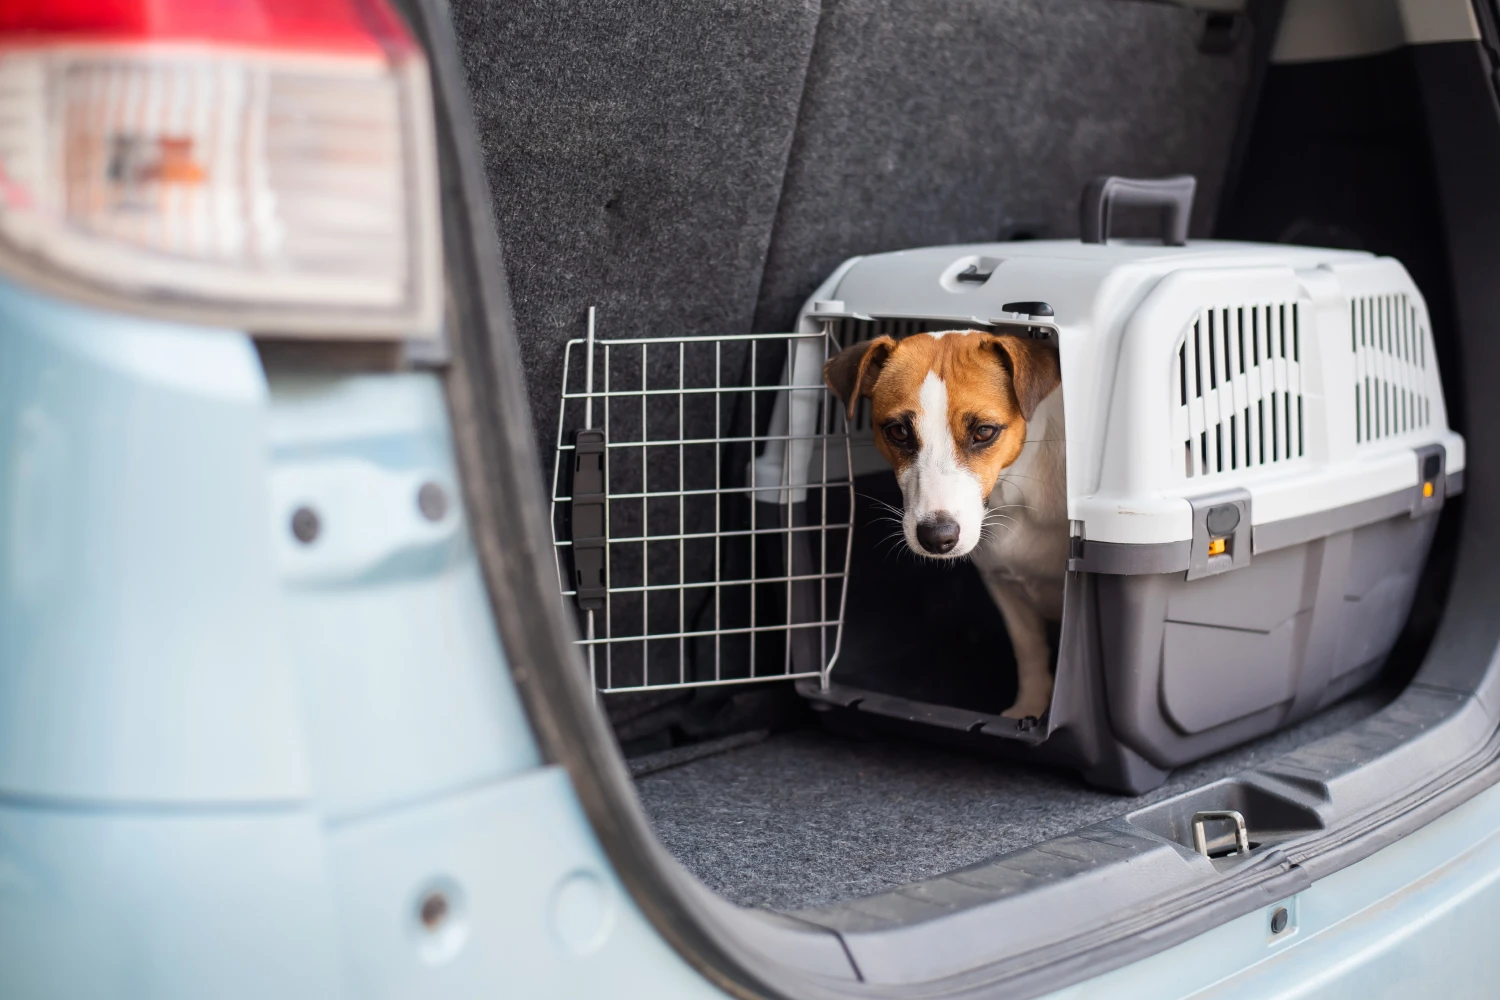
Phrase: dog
(972, 422)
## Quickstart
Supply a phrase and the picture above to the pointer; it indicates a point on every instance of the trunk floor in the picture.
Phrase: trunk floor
(807, 818)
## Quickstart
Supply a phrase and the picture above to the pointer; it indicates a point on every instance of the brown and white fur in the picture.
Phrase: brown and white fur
(973, 425)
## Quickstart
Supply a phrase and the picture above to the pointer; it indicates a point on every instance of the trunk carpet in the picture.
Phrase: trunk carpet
(807, 818)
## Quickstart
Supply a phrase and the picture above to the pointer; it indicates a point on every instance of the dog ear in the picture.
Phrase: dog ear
(1033, 366)
(850, 374)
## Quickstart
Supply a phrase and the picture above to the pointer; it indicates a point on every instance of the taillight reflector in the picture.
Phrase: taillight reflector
(260, 163)
(319, 26)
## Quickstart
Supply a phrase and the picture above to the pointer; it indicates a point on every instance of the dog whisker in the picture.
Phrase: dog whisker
(880, 502)
(893, 543)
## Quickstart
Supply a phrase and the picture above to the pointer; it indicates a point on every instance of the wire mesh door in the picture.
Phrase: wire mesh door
(701, 504)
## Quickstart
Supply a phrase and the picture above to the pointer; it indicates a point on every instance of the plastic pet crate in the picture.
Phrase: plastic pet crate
(1256, 448)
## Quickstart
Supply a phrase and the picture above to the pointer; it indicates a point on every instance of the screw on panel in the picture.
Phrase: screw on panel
(305, 525)
(432, 501)
(1279, 920)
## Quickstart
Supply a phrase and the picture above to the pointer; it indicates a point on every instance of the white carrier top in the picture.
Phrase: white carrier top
(1304, 377)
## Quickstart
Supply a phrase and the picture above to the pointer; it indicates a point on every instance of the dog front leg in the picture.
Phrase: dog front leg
(1028, 637)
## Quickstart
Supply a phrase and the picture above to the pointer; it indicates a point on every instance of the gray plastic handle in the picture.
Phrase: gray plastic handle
(1173, 195)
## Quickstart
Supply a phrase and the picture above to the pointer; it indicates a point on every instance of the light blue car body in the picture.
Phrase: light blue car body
(233, 764)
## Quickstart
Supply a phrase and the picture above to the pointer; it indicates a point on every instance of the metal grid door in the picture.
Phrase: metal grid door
(714, 499)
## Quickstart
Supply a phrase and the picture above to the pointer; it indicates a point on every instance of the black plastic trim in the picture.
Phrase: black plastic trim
(1028, 730)
(587, 513)
(1264, 20)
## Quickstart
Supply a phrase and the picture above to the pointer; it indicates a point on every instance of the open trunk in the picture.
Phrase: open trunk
(685, 169)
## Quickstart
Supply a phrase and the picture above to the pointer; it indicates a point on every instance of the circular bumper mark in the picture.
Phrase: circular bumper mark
(583, 912)
(433, 911)
(1279, 919)
(305, 525)
(439, 921)
(432, 501)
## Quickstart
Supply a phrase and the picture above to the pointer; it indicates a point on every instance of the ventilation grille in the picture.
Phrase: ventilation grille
(1238, 382)
(1390, 361)
(852, 331)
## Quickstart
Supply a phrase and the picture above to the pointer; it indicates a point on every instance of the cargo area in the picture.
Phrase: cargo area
(805, 818)
(848, 128)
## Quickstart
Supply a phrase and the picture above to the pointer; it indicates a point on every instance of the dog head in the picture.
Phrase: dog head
(949, 412)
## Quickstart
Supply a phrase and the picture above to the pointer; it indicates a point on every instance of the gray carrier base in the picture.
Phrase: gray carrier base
(1164, 660)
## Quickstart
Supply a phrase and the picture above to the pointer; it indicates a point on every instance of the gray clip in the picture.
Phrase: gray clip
(1221, 533)
(1432, 480)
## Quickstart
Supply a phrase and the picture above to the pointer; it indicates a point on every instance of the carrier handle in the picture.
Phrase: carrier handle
(1173, 195)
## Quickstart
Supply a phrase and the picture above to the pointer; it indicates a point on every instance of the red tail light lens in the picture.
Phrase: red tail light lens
(259, 163)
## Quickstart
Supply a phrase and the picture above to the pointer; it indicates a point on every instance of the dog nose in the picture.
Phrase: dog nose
(938, 535)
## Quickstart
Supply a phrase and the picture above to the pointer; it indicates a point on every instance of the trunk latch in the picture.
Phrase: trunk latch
(1235, 842)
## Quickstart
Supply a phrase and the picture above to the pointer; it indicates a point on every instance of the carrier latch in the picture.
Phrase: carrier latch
(1221, 533)
(1432, 480)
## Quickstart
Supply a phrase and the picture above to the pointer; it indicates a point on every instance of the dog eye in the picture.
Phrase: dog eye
(897, 433)
(985, 432)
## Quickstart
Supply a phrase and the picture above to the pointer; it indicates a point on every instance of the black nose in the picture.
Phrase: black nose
(938, 534)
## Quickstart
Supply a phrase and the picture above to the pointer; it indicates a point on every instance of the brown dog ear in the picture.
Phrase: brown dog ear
(850, 374)
(1034, 369)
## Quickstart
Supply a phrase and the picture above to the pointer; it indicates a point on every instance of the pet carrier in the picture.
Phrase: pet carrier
(1256, 446)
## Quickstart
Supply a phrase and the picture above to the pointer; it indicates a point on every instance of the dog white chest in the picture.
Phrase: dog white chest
(1025, 540)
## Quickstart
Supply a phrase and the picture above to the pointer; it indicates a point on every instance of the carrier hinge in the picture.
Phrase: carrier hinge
(1221, 533)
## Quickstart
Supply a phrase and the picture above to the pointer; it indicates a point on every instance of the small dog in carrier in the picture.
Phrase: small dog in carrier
(972, 422)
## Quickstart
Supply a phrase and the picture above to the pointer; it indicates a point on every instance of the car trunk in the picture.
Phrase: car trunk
(691, 170)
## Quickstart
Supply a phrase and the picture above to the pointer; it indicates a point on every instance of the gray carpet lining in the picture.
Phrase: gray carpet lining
(807, 818)
(974, 120)
(661, 760)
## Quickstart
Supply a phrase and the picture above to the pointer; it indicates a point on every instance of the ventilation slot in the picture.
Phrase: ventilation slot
(1238, 384)
(1389, 344)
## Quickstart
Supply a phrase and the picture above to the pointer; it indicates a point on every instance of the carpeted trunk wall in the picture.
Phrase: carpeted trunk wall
(698, 168)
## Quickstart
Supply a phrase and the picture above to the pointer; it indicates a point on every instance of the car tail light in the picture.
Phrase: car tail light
(267, 164)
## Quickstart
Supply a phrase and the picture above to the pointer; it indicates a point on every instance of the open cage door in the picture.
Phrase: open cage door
(701, 517)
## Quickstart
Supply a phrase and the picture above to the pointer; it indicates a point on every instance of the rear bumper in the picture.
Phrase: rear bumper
(1416, 918)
